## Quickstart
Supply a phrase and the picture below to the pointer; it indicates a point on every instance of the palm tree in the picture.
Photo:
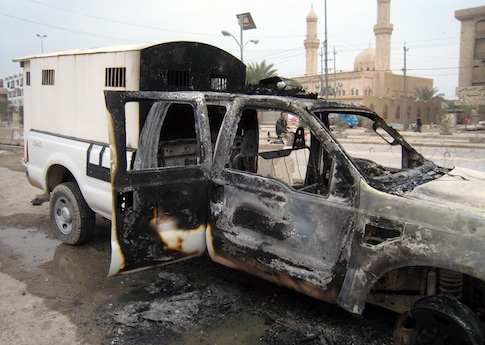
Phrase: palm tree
(256, 71)
(427, 94)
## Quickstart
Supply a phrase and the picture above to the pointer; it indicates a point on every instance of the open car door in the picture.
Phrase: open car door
(159, 197)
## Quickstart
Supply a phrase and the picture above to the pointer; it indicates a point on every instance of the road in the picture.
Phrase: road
(449, 157)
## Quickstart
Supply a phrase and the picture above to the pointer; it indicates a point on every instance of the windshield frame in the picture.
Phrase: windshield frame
(415, 171)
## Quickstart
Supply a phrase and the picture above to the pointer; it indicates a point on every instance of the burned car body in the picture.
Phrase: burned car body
(309, 215)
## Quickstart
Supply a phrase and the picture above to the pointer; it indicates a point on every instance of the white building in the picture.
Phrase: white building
(15, 89)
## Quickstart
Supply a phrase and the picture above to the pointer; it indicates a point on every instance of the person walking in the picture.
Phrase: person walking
(419, 124)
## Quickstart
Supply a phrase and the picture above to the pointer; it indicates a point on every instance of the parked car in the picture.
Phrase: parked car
(348, 120)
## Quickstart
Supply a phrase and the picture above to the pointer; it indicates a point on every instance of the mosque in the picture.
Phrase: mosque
(372, 82)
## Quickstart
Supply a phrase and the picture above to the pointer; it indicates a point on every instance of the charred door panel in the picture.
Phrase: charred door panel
(160, 207)
(288, 237)
(163, 223)
(264, 225)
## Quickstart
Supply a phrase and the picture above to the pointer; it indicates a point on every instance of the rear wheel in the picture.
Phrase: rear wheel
(72, 219)
(439, 320)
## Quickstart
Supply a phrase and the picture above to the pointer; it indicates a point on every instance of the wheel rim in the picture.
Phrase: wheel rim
(424, 325)
(63, 215)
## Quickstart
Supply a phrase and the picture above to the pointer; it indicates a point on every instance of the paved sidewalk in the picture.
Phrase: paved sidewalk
(430, 137)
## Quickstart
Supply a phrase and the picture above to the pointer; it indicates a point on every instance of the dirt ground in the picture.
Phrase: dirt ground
(51, 293)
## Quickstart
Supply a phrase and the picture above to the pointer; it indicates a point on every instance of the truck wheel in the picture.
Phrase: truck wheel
(439, 320)
(72, 219)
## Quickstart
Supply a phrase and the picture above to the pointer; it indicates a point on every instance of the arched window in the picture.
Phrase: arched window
(385, 112)
(398, 112)
(480, 26)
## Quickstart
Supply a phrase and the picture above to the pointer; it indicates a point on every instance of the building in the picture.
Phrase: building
(471, 78)
(372, 82)
(15, 90)
(3, 92)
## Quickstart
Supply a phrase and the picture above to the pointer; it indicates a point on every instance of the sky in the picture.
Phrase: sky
(427, 27)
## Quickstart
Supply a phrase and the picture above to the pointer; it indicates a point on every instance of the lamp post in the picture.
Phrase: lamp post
(41, 42)
(405, 95)
(245, 22)
(326, 53)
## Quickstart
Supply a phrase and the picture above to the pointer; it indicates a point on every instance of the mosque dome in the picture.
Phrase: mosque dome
(312, 16)
(366, 60)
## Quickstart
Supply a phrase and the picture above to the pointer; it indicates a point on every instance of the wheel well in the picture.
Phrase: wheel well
(414, 282)
(56, 175)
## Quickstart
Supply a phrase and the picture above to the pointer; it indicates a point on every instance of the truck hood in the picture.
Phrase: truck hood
(460, 189)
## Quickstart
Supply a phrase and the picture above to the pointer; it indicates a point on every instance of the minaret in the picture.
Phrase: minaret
(311, 43)
(383, 31)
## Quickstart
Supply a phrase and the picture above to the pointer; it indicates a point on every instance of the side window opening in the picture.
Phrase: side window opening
(216, 116)
(299, 163)
(177, 145)
(244, 150)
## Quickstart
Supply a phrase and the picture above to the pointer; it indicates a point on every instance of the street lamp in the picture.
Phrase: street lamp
(245, 22)
(41, 42)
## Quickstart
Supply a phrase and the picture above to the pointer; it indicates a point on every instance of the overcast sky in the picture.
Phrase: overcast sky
(429, 28)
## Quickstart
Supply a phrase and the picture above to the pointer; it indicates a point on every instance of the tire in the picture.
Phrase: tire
(439, 320)
(72, 219)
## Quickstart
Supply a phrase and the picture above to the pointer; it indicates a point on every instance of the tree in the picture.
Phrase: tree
(21, 114)
(427, 94)
(6, 110)
(256, 71)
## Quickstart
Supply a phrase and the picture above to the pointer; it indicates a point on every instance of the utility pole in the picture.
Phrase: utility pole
(322, 71)
(326, 53)
(334, 74)
(405, 94)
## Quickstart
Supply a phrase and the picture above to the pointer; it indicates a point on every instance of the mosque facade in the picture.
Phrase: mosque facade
(372, 82)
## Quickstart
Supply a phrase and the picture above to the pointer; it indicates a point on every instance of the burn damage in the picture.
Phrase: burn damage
(179, 66)
(310, 214)
(250, 218)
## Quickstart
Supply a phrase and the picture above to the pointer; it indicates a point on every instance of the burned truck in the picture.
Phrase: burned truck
(384, 226)
(308, 216)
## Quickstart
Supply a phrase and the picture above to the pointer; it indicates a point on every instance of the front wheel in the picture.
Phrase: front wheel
(439, 320)
(72, 219)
